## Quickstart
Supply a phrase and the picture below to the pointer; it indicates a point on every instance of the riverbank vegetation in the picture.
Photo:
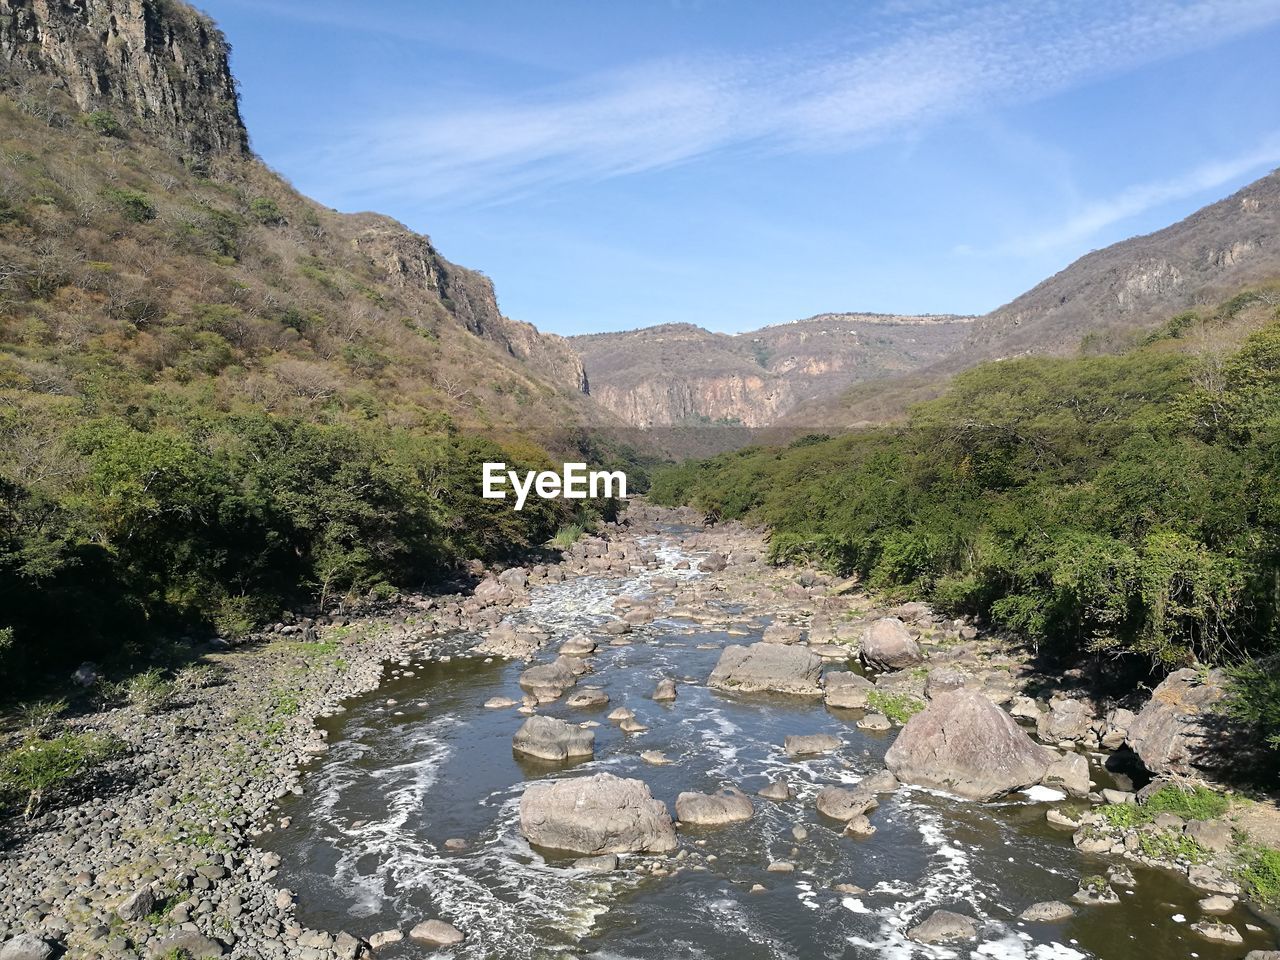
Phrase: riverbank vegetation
(1122, 505)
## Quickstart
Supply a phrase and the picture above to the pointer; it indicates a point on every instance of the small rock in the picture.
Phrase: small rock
(811, 744)
(1218, 932)
(1047, 911)
(943, 926)
(437, 933)
(1217, 904)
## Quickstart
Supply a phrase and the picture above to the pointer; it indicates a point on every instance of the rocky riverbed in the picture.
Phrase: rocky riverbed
(415, 783)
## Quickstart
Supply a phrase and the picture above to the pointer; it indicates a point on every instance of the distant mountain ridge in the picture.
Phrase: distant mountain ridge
(681, 374)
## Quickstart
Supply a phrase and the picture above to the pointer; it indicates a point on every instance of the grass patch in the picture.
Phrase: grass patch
(1191, 803)
(898, 707)
(568, 535)
(1260, 872)
(1123, 816)
(1172, 845)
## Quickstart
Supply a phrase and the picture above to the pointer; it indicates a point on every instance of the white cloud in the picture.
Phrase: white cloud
(938, 63)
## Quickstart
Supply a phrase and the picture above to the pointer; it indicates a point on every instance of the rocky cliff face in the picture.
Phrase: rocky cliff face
(158, 63)
(410, 259)
(680, 374)
(1222, 248)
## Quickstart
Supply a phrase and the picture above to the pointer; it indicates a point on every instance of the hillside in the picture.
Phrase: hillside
(1103, 302)
(216, 394)
(681, 374)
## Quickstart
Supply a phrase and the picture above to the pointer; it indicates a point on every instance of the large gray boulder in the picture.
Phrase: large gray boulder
(845, 803)
(888, 645)
(713, 809)
(1178, 730)
(964, 744)
(186, 943)
(767, 667)
(846, 690)
(596, 815)
(26, 947)
(943, 926)
(547, 681)
(1068, 721)
(550, 739)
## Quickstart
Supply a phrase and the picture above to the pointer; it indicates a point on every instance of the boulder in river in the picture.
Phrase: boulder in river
(888, 645)
(767, 667)
(845, 803)
(1047, 911)
(943, 926)
(579, 645)
(846, 690)
(963, 743)
(1178, 731)
(1071, 773)
(437, 933)
(714, 563)
(550, 680)
(811, 744)
(665, 690)
(713, 809)
(778, 790)
(587, 697)
(550, 739)
(596, 815)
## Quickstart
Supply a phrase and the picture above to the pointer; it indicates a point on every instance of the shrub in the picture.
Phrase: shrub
(567, 536)
(134, 205)
(103, 123)
(1124, 816)
(149, 691)
(37, 767)
(265, 211)
(1254, 697)
(1172, 845)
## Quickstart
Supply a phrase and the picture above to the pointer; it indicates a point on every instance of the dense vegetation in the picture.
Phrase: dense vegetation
(217, 397)
(1122, 505)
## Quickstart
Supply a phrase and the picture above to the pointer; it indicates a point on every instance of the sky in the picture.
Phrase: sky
(613, 164)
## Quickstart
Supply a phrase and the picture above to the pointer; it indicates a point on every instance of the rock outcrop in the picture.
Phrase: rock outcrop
(595, 815)
(713, 809)
(964, 744)
(1178, 729)
(550, 739)
(161, 66)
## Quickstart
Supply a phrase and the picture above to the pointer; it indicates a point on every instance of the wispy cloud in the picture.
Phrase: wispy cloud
(935, 63)
(1097, 215)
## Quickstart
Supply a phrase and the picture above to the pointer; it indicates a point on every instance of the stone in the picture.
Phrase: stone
(1217, 931)
(618, 714)
(963, 743)
(859, 827)
(782, 633)
(1115, 728)
(1117, 796)
(779, 790)
(579, 645)
(1047, 911)
(1095, 891)
(1215, 835)
(550, 739)
(1024, 708)
(586, 698)
(27, 947)
(499, 703)
(714, 563)
(189, 943)
(943, 680)
(596, 815)
(550, 680)
(1217, 904)
(436, 933)
(655, 757)
(874, 722)
(943, 926)
(665, 690)
(1211, 880)
(1121, 876)
(844, 803)
(138, 904)
(812, 744)
(781, 866)
(715, 809)
(846, 690)
(385, 937)
(1071, 773)
(767, 667)
(888, 645)
(1179, 730)
(605, 863)
(1068, 721)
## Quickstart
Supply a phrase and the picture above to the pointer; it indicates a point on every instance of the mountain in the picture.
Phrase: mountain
(133, 203)
(1103, 302)
(681, 374)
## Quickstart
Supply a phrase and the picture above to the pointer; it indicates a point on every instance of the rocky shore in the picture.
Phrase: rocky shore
(162, 855)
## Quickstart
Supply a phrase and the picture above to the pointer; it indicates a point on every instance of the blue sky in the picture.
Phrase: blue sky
(733, 163)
